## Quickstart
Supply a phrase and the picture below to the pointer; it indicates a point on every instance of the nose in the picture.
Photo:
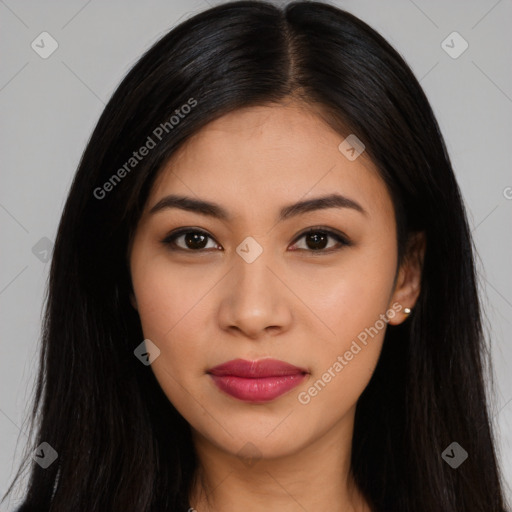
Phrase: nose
(255, 303)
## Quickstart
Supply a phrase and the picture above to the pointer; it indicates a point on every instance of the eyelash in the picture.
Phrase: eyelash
(340, 238)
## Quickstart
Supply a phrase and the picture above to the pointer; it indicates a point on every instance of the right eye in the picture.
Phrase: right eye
(189, 240)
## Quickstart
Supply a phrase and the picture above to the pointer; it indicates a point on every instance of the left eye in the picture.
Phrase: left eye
(316, 240)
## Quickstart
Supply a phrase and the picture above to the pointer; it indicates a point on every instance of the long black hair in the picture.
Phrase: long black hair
(121, 445)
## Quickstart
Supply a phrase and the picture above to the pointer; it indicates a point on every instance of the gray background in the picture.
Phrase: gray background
(48, 108)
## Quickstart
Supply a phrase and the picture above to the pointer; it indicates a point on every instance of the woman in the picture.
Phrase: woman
(262, 294)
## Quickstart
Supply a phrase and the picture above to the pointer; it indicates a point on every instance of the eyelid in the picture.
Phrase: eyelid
(334, 233)
(340, 237)
(169, 239)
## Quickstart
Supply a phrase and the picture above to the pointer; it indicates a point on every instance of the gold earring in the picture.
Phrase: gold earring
(407, 311)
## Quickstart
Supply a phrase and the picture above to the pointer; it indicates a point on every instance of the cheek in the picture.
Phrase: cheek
(352, 296)
(164, 301)
(353, 305)
(167, 307)
(167, 295)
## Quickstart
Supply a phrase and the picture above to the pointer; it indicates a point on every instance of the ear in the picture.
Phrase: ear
(407, 286)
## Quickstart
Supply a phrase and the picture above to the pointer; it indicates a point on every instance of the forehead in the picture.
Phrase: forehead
(255, 156)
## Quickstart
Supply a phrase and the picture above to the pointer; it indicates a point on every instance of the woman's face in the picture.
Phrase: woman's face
(245, 281)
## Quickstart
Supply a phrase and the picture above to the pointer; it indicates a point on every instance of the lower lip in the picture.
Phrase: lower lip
(257, 390)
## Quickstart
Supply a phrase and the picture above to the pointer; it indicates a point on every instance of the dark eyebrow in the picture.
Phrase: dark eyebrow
(320, 203)
(218, 212)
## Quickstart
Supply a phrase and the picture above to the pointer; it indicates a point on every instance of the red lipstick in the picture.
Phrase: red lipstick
(256, 381)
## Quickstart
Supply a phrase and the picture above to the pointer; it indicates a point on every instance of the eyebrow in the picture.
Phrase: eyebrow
(216, 211)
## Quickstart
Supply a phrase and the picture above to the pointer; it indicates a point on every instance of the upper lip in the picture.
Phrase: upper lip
(255, 369)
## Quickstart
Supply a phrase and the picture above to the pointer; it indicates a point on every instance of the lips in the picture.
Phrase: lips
(257, 381)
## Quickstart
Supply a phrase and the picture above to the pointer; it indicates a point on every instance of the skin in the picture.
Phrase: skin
(207, 306)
